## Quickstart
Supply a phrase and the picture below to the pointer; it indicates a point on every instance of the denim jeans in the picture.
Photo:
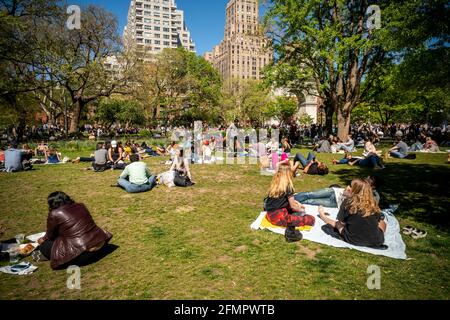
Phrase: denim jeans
(397, 154)
(300, 158)
(416, 147)
(323, 197)
(370, 161)
(343, 161)
(136, 188)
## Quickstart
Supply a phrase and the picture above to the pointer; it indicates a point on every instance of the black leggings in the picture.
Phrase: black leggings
(83, 259)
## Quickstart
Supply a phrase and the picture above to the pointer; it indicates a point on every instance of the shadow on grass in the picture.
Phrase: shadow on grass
(420, 190)
(109, 248)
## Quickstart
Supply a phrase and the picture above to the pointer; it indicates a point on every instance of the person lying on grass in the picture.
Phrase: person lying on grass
(333, 196)
(359, 221)
(136, 177)
(348, 157)
(310, 165)
(371, 161)
(72, 237)
(281, 207)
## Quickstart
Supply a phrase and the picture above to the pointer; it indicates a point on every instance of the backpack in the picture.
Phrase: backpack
(182, 180)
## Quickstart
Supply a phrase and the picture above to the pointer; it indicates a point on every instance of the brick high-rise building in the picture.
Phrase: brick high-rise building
(243, 52)
(154, 25)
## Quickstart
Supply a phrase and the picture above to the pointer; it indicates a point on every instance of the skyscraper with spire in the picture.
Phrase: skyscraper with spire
(154, 25)
(243, 52)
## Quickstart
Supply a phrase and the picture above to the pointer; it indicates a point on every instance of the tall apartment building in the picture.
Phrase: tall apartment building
(154, 25)
(243, 52)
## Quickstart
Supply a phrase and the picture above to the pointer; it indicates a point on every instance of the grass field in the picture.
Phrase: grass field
(196, 243)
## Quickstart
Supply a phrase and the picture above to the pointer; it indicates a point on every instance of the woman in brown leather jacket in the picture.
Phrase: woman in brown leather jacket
(72, 237)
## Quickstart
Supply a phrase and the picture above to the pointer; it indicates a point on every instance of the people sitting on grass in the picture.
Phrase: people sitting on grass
(348, 146)
(400, 150)
(431, 145)
(323, 146)
(72, 237)
(136, 177)
(359, 221)
(15, 159)
(127, 151)
(41, 150)
(181, 169)
(310, 165)
(115, 156)
(286, 147)
(281, 207)
(52, 156)
(369, 147)
(99, 159)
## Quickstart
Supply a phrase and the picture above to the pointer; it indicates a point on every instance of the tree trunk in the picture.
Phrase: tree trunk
(343, 123)
(329, 112)
(76, 114)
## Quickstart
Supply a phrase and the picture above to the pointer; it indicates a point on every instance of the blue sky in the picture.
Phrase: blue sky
(205, 18)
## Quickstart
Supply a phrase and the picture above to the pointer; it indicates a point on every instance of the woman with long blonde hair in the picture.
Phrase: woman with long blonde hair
(359, 219)
(281, 207)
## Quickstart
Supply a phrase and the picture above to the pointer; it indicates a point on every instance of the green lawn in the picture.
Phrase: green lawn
(196, 243)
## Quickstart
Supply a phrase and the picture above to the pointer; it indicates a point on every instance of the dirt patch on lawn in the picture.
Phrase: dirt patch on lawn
(309, 253)
(224, 259)
(184, 209)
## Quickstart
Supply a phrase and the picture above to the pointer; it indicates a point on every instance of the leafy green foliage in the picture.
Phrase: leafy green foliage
(111, 111)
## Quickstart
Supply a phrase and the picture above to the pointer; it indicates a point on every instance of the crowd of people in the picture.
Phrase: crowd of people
(359, 221)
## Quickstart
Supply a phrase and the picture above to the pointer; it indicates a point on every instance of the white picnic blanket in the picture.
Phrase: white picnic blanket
(392, 237)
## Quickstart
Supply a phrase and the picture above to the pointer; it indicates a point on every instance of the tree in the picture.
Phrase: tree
(75, 60)
(19, 28)
(282, 108)
(245, 100)
(305, 119)
(332, 42)
(179, 84)
(413, 90)
(112, 111)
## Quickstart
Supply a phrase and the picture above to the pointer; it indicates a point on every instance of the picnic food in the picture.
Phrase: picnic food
(26, 249)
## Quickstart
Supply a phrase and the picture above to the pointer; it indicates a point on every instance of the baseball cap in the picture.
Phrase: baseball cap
(114, 143)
